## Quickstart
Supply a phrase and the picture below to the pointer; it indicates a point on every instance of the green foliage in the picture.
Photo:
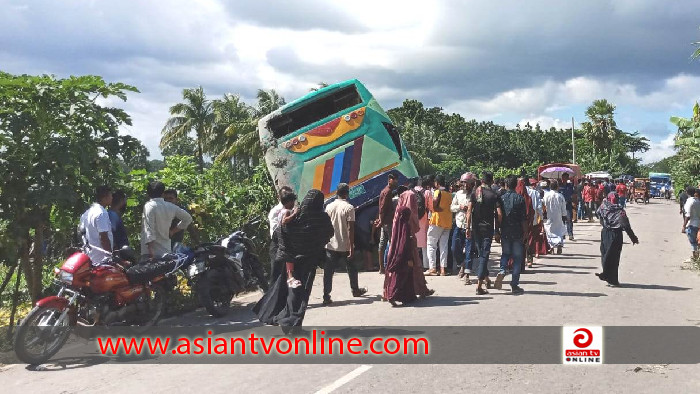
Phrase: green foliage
(686, 164)
(194, 114)
(218, 202)
(180, 145)
(449, 144)
(56, 144)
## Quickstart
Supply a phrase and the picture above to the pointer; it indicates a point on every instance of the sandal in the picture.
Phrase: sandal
(467, 281)
(432, 272)
(293, 283)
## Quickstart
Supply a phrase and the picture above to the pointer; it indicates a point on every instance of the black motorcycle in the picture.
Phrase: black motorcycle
(219, 271)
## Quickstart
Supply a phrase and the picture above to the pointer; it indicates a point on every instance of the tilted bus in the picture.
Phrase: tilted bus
(338, 134)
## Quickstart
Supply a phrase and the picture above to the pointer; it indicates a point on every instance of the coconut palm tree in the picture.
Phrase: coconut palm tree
(194, 114)
(235, 136)
(268, 101)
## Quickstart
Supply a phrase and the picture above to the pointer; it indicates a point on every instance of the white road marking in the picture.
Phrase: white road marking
(344, 379)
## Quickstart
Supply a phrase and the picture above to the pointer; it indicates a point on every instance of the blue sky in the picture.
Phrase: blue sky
(508, 61)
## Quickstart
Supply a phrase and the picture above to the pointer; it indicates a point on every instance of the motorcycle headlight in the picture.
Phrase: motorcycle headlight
(66, 277)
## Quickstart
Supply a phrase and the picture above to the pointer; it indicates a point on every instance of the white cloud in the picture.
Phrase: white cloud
(455, 54)
(659, 150)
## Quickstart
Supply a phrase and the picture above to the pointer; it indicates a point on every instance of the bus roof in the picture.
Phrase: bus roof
(659, 175)
(316, 93)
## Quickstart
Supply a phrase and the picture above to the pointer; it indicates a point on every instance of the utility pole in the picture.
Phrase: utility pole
(573, 142)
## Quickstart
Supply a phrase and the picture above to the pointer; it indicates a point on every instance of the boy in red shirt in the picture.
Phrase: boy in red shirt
(621, 190)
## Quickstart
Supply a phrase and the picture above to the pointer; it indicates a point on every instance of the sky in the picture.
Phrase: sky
(507, 61)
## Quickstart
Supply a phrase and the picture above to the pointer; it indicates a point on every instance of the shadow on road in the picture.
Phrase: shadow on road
(574, 257)
(653, 287)
(565, 293)
(546, 271)
(534, 282)
(354, 301)
(581, 267)
(434, 301)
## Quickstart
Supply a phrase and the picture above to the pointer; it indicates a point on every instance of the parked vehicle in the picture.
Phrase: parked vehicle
(641, 190)
(658, 180)
(221, 270)
(111, 293)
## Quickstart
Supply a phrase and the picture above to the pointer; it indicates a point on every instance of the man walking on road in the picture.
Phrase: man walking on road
(621, 190)
(555, 210)
(340, 247)
(567, 190)
(486, 206)
(439, 227)
(683, 198)
(692, 219)
(386, 217)
(513, 232)
(461, 246)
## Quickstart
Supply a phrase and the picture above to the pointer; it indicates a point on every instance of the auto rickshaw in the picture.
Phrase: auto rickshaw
(641, 190)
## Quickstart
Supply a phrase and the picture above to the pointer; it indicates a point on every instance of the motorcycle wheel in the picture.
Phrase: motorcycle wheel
(213, 294)
(39, 331)
(156, 307)
(259, 273)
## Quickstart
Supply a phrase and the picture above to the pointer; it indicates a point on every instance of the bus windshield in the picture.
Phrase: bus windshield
(314, 111)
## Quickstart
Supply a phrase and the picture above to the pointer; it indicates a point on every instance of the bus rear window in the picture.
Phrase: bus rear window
(314, 111)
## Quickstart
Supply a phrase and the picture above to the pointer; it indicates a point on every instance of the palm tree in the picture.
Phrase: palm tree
(195, 113)
(235, 135)
(268, 101)
(601, 128)
(320, 86)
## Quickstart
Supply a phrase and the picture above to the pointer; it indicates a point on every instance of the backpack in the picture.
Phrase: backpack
(420, 199)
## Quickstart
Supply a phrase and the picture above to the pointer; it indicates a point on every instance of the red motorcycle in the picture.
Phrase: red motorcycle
(115, 293)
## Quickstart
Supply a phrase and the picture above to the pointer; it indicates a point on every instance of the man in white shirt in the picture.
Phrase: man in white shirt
(98, 228)
(692, 218)
(340, 247)
(158, 216)
(461, 245)
(555, 224)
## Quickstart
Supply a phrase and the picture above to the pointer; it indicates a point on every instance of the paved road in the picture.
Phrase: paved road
(658, 289)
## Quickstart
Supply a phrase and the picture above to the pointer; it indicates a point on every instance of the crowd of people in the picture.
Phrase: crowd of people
(426, 225)
(425, 228)
(163, 223)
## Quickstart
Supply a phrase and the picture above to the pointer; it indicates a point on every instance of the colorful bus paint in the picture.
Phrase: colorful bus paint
(338, 134)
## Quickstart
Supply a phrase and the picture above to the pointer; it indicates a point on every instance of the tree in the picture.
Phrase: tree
(235, 130)
(56, 144)
(320, 86)
(134, 155)
(636, 143)
(194, 114)
(268, 102)
(601, 128)
(687, 144)
(182, 145)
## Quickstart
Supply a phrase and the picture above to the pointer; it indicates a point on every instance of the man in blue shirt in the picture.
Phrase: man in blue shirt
(116, 210)
(567, 189)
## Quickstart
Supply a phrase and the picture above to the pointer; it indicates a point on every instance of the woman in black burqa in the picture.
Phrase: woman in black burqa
(614, 221)
(303, 242)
